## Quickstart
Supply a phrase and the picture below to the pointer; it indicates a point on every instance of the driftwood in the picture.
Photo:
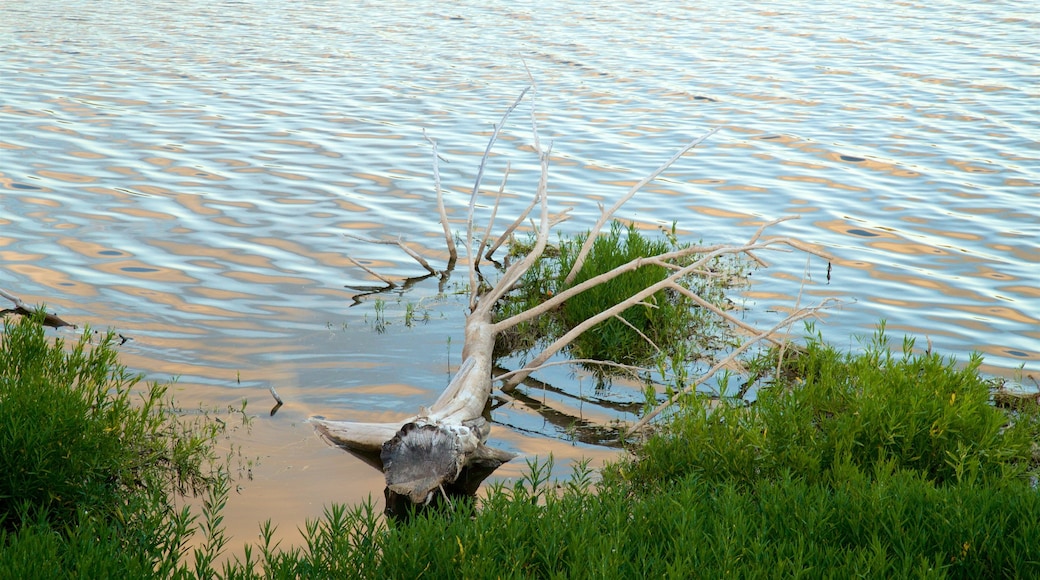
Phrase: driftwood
(442, 451)
(21, 309)
(1009, 399)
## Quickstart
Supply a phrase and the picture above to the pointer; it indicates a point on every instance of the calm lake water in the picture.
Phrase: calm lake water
(184, 172)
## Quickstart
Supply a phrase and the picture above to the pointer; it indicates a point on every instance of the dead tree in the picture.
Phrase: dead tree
(442, 450)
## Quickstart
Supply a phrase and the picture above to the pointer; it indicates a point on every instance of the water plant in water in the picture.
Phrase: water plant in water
(668, 330)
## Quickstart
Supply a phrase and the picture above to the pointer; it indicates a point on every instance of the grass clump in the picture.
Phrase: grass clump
(666, 327)
(663, 319)
(92, 461)
(838, 414)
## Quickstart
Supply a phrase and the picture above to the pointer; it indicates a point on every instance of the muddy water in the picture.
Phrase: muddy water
(185, 172)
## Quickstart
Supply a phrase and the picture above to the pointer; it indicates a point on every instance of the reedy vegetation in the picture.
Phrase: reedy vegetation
(874, 463)
(93, 462)
(667, 331)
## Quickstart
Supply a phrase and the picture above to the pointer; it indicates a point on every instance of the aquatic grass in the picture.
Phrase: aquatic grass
(668, 330)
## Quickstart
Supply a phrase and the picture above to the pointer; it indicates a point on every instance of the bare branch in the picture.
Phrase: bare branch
(671, 280)
(491, 220)
(574, 361)
(513, 274)
(512, 227)
(664, 259)
(637, 331)
(787, 321)
(23, 309)
(606, 215)
(717, 311)
(473, 199)
(371, 271)
(453, 254)
(16, 300)
(400, 244)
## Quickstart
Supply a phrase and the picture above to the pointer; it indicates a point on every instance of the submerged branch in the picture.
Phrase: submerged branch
(400, 244)
(801, 314)
(381, 278)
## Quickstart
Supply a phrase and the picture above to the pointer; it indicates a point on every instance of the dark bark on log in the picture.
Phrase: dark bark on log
(21, 309)
(1008, 399)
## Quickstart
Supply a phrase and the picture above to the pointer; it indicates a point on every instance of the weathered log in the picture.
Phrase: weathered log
(441, 452)
(21, 309)
(443, 448)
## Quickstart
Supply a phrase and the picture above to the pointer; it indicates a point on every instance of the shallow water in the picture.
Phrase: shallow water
(184, 173)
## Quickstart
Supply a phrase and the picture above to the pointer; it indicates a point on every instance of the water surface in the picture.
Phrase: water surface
(184, 173)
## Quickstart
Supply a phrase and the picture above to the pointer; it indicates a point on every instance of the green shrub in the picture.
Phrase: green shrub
(900, 525)
(91, 462)
(840, 413)
(856, 465)
(853, 465)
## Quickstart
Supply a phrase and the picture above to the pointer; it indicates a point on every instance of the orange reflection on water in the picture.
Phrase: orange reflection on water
(143, 270)
(221, 255)
(17, 256)
(195, 172)
(905, 247)
(176, 301)
(1002, 312)
(52, 279)
(143, 213)
(821, 181)
(264, 279)
(721, 213)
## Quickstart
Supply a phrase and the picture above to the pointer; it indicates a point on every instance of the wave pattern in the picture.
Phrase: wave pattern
(184, 173)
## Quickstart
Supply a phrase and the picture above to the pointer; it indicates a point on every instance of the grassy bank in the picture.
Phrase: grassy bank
(93, 463)
(876, 464)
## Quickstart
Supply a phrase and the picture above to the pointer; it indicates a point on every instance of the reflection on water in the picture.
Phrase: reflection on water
(186, 176)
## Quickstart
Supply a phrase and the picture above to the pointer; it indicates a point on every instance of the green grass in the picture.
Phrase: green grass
(92, 461)
(873, 464)
(866, 464)
(839, 413)
(673, 332)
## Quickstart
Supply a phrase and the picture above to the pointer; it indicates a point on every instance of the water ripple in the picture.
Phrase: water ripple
(186, 176)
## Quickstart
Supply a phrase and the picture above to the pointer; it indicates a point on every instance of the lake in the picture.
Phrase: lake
(185, 172)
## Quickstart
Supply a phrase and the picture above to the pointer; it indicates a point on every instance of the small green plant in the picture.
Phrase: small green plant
(380, 315)
(414, 312)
